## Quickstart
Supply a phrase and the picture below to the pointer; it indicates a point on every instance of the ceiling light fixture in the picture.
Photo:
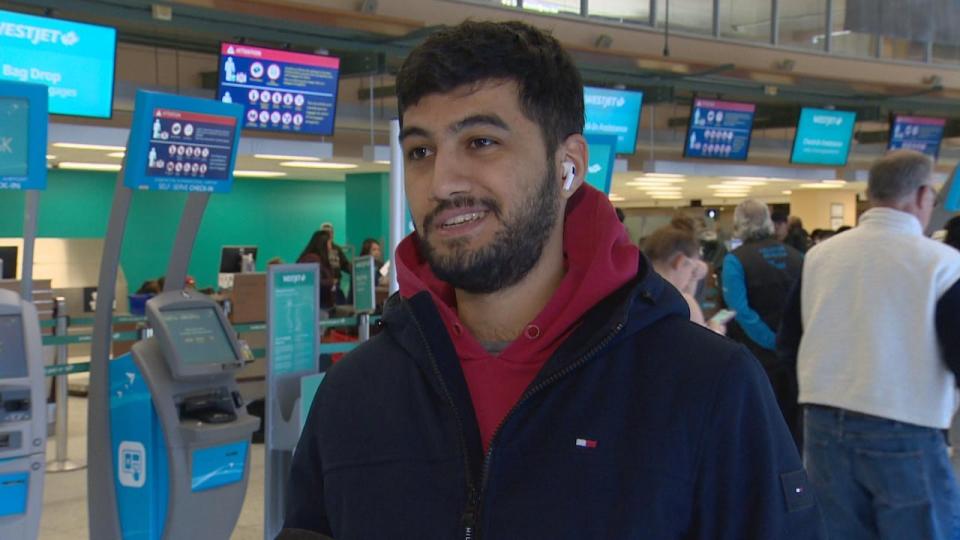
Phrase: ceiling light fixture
(79, 146)
(259, 174)
(318, 165)
(281, 157)
(82, 166)
(116, 154)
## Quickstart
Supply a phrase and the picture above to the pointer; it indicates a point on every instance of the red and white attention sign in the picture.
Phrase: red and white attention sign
(274, 55)
(187, 116)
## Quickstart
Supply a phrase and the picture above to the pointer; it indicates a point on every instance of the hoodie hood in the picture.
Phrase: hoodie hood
(599, 259)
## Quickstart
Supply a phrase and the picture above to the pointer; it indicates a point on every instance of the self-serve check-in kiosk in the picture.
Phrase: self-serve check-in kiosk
(23, 402)
(176, 403)
(169, 436)
(23, 419)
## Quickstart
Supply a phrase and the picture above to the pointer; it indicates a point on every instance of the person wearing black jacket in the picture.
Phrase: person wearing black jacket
(534, 377)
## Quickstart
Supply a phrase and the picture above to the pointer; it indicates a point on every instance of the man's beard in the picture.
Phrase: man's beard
(512, 253)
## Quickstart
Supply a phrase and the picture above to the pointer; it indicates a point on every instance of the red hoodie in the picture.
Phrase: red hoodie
(599, 260)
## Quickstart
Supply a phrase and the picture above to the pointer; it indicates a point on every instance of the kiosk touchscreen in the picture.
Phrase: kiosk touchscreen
(23, 421)
(182, 462)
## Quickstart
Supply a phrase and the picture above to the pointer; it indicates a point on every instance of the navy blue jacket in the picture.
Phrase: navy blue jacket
(641, 425)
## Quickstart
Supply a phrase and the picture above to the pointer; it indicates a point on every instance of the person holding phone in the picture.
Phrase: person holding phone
(674, 253)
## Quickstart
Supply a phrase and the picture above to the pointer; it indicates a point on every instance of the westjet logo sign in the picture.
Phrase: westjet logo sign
(37, 35)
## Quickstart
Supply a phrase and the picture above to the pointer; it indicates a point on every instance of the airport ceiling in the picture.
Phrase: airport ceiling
(370, 44)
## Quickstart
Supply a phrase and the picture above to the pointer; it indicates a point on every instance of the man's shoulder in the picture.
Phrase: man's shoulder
(688, 346)
(379, 357)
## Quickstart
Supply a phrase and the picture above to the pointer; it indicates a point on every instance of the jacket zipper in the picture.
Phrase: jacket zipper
(468, 520)
(476, 504)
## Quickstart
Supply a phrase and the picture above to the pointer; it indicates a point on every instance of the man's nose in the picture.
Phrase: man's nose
(450, 175)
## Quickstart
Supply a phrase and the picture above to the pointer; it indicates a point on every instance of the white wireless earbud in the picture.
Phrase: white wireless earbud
(569, 174)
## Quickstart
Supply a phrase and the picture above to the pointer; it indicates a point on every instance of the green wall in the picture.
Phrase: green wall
(278, 216)
(368, 209)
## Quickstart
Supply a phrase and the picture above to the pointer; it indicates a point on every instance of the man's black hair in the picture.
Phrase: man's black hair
(551, 90)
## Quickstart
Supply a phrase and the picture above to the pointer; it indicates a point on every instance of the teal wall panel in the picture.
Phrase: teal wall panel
(278, 216)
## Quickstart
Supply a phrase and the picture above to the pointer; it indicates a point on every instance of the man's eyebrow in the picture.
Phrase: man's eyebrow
(413, 131)
(479, 120)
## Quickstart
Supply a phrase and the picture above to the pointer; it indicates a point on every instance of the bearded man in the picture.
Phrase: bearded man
(535, 377)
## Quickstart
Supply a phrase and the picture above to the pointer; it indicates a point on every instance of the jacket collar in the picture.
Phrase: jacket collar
(891, 219)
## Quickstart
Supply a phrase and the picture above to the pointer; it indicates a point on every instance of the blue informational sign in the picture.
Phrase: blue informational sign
(951, 201)
(602, 156)
(613, 112)
(182, 144)
(75, 60)
(823, 137)
(919, 133)
(719, 129)
(23, 136)
(280, 90)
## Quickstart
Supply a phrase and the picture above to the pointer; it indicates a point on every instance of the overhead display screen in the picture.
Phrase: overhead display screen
(74, 60)
(197, 336)
(14, 136)
(613, 112)
(919, 133)
(823, 137)
(13, 360)
(280, 90)
(719, 129)
(190, 145)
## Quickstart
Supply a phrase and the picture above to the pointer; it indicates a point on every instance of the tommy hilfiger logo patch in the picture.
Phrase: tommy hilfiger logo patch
(586, 443)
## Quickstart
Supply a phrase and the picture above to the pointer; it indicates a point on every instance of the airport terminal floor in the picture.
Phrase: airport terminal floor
(204, 206)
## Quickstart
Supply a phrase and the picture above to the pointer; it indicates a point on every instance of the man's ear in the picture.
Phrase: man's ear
(574, 158)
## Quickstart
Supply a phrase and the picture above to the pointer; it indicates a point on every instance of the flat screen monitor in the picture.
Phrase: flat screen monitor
(823, 137)
(13, 360)
(231, 258)
(76, 61)
(14, 137)
(719, 129)
(280, 90)
(920, 133)
(190, 147)
(197, 336)
(8, 256)
(613, 112)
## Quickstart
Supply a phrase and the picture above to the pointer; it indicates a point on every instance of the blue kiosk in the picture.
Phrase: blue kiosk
(23, 403)
(169, 434)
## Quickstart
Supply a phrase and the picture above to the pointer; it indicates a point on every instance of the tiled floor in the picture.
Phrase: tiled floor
(65, 494)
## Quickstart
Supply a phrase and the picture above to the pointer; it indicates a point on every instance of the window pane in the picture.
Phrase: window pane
(902, 49)
(553, 6)
(748, 20)
(623, 10)
(687, 15)
(845, 40)
(946, 54)
(803, 24)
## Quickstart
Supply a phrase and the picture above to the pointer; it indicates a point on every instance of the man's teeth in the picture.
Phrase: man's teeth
(465, 218)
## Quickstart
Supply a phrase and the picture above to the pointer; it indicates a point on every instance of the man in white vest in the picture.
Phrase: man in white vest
(874, 328)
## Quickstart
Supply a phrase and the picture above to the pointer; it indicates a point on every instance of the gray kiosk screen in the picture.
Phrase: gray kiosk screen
(198, 337)
(13, 358)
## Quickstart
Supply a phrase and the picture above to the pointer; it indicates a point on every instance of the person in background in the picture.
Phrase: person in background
(781, 225)
(873, 329)
(339, 263)
(797, 236)
(675, 254)
(818, 236)
(318, 251)
(756, 279)
(953, 232)
(372, 247)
